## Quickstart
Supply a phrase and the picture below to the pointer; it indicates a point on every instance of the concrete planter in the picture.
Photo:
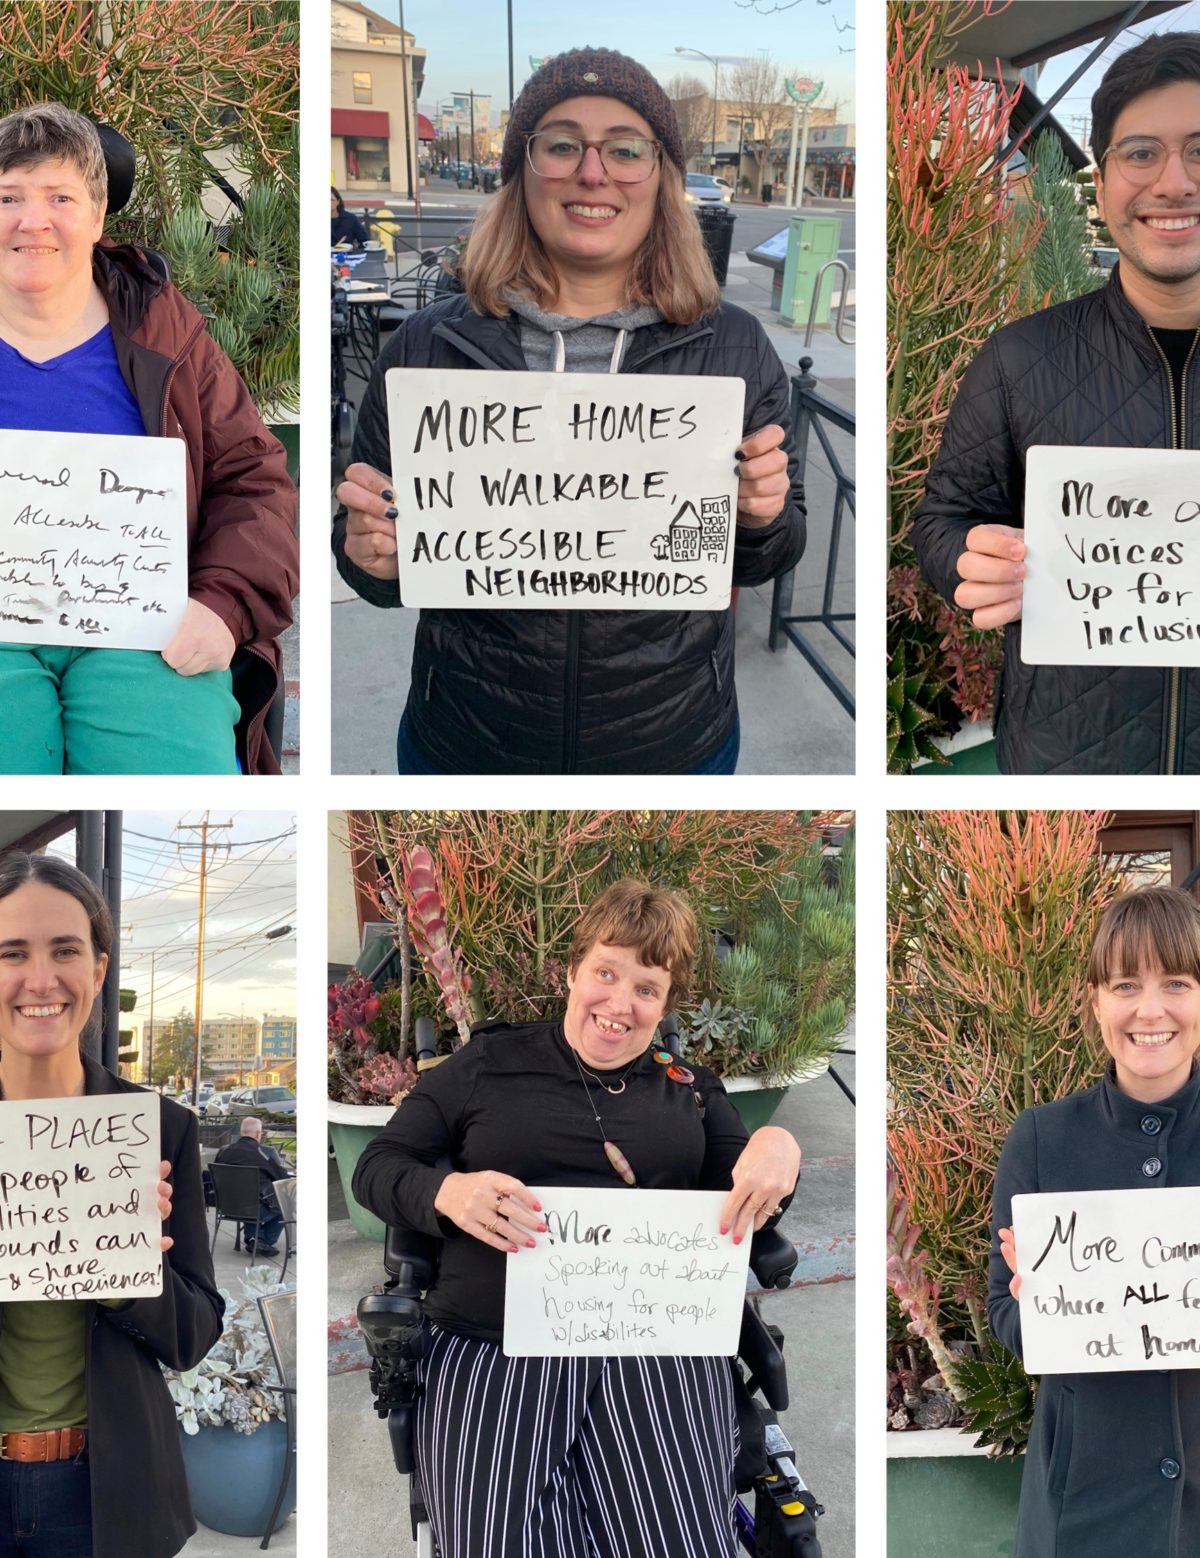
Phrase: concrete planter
(757, 1098)
(351, 1127)
(945, 1499)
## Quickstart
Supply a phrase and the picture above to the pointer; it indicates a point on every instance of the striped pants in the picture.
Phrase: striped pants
(575, 1457)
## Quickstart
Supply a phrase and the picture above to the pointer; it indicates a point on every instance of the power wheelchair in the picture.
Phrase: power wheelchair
(780, 1519)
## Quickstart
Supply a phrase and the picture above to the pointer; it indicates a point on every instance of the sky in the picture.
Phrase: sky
(251, 888)
(467, 43)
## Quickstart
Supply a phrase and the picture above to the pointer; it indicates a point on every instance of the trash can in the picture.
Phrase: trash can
(768, 192)
(489, 181)
(716, 228)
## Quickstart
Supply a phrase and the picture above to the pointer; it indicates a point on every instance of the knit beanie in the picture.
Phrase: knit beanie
(590, 73)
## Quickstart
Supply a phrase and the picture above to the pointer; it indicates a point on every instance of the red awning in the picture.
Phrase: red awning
(425, 130)
(360, 121)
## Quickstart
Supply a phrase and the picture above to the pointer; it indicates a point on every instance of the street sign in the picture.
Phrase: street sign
(801, 89)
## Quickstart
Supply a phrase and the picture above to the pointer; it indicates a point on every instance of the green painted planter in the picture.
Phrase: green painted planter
(288, 434)
(756, 1100)
(351, 1127)
(950, 1505)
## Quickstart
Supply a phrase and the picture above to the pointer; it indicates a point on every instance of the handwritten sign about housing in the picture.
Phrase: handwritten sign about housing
(93, 539)
(1110, 1280)
(1113, 557)
(622, 1273)
(79, 1198)
(559, 490)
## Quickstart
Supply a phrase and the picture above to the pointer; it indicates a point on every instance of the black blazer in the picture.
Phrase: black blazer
(139, 1493)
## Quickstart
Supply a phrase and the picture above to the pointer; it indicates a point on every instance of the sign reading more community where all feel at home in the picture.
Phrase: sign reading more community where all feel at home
(558, 490)
(93, 539)
(626, 1273)
(1110, 1280)
(78, 1198)
(1112, 541)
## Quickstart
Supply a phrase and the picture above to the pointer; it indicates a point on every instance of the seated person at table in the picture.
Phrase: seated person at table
(93, 340)
(248, 1152)
(344, 227)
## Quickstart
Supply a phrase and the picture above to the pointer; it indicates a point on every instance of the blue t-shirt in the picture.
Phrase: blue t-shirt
(80, 392)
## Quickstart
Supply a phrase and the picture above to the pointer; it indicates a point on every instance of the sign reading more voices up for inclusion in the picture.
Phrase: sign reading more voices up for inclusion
(626, 1273)
(78, 1198)
(1110, 1280)
(93, 539)
(547, 491)
(1112, 541)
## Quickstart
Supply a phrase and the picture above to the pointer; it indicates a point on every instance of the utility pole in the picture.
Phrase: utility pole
(203, 827)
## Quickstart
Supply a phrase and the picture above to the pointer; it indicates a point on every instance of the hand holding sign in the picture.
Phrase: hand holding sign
(764, 1173)
(993, 573)
(1008, 1248)
(492, 1207)
(370, 520)
(762, 471)
(202, 642)
(165, 1191)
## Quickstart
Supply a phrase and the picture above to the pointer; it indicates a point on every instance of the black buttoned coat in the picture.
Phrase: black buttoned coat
(1105, 1469)
(140, 1505)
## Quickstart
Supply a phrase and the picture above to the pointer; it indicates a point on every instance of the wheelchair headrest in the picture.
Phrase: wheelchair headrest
(120, 160)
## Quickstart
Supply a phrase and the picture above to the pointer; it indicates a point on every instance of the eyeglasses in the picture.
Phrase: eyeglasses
(626, 158)
(1143, 159)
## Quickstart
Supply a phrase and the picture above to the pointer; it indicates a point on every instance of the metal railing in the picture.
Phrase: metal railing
(812, 414)
(840, 317)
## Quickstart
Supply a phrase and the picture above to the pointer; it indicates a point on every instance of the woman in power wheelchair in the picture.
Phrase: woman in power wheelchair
(622, 1457)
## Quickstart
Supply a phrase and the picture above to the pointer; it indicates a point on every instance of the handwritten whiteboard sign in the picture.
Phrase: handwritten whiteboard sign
(78, 1198)
(1110, 1280)
(546, 491)
(1112, 541)
(626, 1273)
(93, 539)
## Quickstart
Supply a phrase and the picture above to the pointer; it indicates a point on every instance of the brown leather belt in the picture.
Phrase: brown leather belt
(55, 1444)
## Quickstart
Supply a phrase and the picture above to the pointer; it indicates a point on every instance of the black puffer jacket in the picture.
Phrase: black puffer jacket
(1085, 372)
(579, 691)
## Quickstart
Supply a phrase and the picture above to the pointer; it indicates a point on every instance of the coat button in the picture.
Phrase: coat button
(1169, 1467)
(1151, 1124)
(1151, 1167)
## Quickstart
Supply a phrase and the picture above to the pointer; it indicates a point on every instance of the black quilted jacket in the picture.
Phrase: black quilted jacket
(1084, 372)
(579, 691)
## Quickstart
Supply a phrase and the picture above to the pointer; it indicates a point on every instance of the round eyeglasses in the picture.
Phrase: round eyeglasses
(628, 159)
(1142, 159)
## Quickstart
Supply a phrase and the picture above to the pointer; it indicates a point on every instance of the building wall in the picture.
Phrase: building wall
(382, 60)
(342, 914)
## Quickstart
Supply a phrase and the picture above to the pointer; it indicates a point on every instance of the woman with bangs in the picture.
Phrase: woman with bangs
(1113, 1464)
(588, 260)
(529, 1457)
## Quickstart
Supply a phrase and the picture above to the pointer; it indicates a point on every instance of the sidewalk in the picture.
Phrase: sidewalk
(368, 1498)
(791, 723)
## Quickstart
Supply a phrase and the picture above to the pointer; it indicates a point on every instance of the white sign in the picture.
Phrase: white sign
(626, 1273)
(1110, 1280)
(1112, 541)
(541, 491)
(78, 1198)
(93, 539)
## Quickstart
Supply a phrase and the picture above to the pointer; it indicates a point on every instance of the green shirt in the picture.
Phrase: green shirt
(41, 1366)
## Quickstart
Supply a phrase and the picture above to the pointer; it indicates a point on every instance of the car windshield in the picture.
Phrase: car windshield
(701, 181)
(268, 1093)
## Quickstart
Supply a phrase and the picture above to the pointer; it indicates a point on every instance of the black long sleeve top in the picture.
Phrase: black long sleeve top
(513, 1101)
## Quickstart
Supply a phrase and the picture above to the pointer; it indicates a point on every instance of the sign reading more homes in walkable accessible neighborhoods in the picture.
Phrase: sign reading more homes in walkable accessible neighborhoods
(1112, 541)
(79, 1211)
(558, 490)
(1110, 1280)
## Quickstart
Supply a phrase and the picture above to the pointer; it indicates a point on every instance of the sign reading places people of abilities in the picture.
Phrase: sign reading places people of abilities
(93, 539)
(626, 1273)
(1110, 1280)
(1112, 541)
(79, 1198)
(558, 490)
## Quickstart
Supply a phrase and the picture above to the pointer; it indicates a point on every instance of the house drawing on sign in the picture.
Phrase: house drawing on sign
(714, 528)
(685, 534)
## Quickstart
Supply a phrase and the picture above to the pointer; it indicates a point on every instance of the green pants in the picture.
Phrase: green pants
(111, 711)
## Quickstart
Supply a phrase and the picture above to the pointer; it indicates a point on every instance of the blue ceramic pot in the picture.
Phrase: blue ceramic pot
(233, 1478)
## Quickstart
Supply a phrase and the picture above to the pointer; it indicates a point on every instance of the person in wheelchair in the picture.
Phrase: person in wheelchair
(524, 1456)
(94, 339)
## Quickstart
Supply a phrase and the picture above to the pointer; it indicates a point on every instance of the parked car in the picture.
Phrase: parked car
(725, 184)
(261, 1100)
(703, 189)
(217, 1107)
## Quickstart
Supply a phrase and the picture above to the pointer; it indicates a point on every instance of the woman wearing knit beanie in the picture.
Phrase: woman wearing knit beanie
(589, 259)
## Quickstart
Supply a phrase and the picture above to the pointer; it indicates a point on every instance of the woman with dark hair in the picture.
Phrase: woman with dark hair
(589, 259)
(90, 1465)
(1113, 1464)
(344, 226)
(526, 1457)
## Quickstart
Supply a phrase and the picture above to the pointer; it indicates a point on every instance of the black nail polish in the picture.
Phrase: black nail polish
(387, 494)
(739, 454)
(391, 513)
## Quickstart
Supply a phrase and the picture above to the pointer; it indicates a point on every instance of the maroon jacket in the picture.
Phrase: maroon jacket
(243, 557)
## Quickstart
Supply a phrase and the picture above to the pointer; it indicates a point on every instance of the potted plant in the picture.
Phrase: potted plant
(231, 1424)
(990, 919)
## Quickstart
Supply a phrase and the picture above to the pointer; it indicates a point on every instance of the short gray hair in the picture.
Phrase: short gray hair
(251, 1125)
(48, 131)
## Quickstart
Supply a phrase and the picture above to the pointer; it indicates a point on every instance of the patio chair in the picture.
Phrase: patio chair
(278, 1311)
(285, 1194)
(237, 1199)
